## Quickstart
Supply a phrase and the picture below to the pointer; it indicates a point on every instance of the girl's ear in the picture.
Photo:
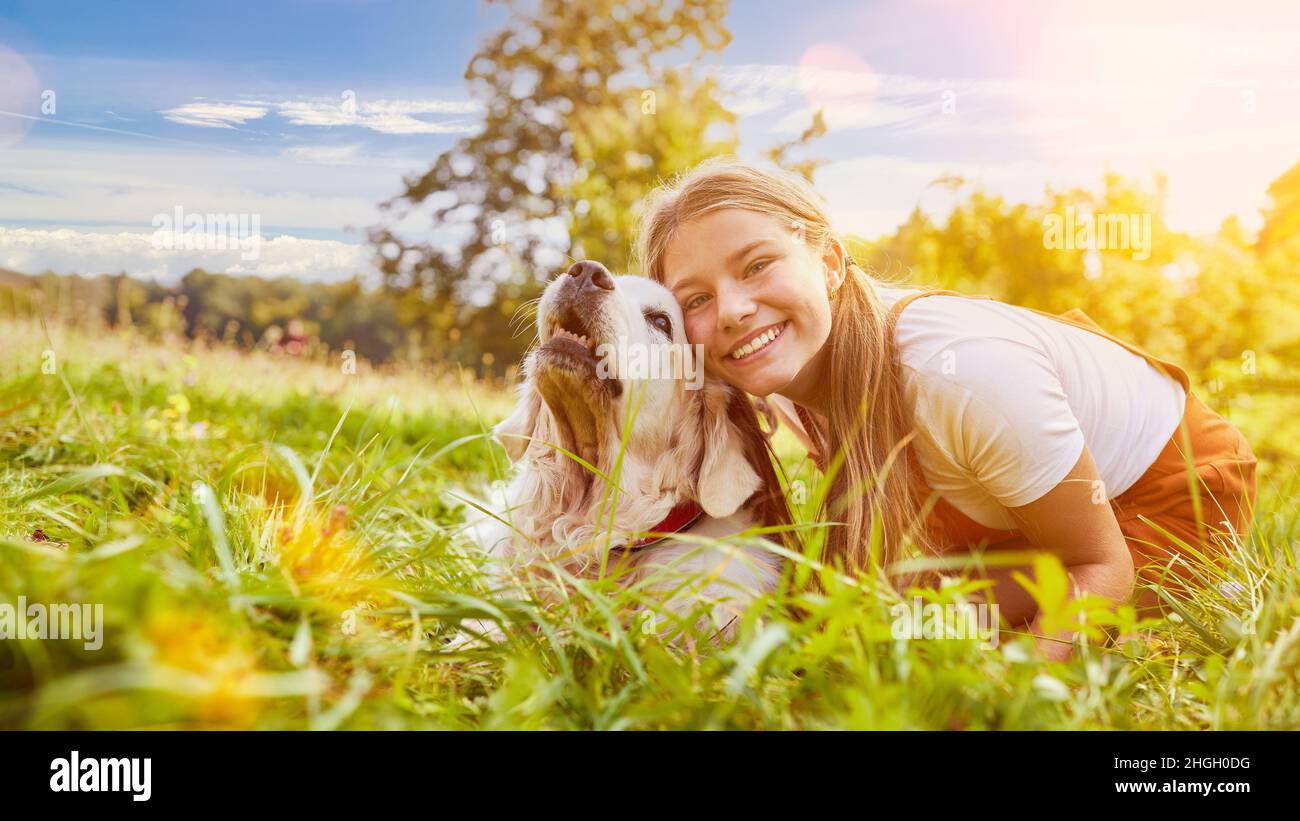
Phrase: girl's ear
(726, 479)
(521, 422)
(835, 262)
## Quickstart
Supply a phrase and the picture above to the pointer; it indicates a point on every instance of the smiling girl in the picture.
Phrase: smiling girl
(956, 421)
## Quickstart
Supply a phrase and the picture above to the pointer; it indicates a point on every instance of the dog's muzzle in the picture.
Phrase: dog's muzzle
(580, 299)
(566, 371)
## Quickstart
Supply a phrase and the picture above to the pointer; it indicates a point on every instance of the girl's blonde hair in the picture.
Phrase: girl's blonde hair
(865, 447)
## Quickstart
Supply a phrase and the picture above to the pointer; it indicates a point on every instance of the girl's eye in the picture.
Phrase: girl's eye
(758, 266)
(696, 301)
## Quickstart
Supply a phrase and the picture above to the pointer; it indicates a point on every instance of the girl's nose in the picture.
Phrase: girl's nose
(734, 307)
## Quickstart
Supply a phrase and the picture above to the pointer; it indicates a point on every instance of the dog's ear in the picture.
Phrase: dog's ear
(521, 422)
(726, 478)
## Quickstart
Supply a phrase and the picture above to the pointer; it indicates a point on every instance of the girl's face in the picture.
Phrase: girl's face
(755, 296)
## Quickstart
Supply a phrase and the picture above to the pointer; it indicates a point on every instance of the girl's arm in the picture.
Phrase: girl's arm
(1074, 520)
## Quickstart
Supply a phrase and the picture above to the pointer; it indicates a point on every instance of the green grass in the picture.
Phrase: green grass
(277, 544)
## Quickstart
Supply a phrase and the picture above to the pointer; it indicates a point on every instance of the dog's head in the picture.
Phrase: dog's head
(612, 359)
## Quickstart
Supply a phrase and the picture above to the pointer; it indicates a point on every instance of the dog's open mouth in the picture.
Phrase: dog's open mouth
(569, 381)
(570, 336)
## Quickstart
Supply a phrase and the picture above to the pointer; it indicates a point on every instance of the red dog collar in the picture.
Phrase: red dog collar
(678, 519)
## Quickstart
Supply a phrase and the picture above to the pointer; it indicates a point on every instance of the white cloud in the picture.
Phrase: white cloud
(787, 95)
(852, 115)
(323, 154)
(67, 251)
(873, 195)
(123, 186)
(850, 99)
(384, 116)
(215, 115)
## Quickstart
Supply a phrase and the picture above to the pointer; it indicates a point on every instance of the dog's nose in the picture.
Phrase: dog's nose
(590, 273)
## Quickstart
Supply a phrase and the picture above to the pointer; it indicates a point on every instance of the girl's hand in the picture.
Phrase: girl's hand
(1052, 648)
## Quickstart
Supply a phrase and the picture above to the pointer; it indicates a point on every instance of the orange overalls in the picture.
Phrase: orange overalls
(1217, 497)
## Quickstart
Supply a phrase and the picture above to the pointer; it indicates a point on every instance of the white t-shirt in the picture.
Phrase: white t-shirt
(1005, 399)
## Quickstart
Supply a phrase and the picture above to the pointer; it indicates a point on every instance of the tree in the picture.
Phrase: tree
(582, 116)
(807, 167)
(1281, 229)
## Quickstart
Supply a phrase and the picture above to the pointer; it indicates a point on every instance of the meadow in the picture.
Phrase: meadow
(278, 543)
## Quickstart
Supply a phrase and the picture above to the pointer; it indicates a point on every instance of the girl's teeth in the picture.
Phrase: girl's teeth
(757, 344)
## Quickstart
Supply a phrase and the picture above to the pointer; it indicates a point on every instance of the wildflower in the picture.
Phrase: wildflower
(38, 535)
(1232, 590)
(325, 561)
(180, 406)
(197, 643)
(338, 520)
(175, 418)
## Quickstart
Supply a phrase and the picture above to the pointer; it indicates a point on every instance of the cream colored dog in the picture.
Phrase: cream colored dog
(693, 459)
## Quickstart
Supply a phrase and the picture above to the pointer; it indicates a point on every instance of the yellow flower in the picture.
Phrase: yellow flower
(197, 643)
(324, 560)
(180, 405)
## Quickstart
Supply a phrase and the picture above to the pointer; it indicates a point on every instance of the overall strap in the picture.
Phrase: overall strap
(892, 319)
(1079, 319)
(1074, 316)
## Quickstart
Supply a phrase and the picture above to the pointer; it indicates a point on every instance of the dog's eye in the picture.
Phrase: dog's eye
(660, 321)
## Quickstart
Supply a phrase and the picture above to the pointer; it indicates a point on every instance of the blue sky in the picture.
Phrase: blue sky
(240, 108)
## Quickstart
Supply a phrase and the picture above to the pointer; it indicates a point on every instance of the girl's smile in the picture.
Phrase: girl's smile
(754, 349)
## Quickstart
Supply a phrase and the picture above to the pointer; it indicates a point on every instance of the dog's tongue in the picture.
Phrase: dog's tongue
(579, 412)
